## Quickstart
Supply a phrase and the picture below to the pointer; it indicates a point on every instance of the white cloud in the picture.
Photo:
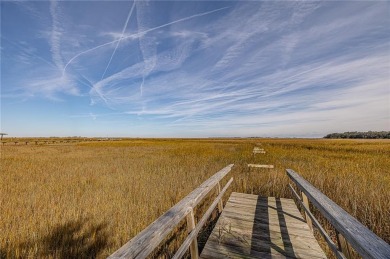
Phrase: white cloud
(118, 42)
(56, 33)
(254, 68)
(52, 86)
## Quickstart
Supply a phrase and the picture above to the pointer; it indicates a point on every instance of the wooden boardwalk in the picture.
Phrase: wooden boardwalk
(258, 227)
(261, 227)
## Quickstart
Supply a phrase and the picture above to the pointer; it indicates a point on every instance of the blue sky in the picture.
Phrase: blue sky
(194, 68)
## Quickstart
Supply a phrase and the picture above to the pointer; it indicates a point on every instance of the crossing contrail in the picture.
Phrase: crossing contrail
(117, 44)
(141, 33)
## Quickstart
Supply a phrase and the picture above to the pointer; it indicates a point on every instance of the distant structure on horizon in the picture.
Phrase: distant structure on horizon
(361, 135)
(2, 134)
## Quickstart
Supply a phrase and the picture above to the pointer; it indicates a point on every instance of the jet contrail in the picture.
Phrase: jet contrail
(141, 33)
(117, 44)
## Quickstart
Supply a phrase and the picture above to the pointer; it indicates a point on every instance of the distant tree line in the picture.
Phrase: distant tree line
(363, 135)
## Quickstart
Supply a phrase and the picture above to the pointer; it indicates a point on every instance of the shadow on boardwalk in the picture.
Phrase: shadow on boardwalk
(259, 227)
(261, 233)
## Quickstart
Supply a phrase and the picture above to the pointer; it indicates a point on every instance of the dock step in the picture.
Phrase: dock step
(251, 226)
(261, 166)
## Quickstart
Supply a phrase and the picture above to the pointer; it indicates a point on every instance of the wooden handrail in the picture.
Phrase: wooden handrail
(195, 232)
(331, 244)
(147, 240)
(363, 240)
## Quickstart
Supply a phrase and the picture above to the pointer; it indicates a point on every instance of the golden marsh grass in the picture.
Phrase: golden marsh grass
(87, 199)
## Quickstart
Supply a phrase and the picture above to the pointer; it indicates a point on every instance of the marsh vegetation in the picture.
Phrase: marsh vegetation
(87, 199)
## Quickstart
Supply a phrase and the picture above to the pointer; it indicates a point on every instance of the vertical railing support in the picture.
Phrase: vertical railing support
(190, 227)
(220, 204)
(343, 245)
(306, 203)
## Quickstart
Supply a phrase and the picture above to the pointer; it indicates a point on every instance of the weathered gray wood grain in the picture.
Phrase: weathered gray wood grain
(260, 166)
(181, 251)
(322, 231)
(363, 240)
(267, 228)
(145, 242)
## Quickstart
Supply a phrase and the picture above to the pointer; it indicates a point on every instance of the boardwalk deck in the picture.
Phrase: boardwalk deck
(261, 227)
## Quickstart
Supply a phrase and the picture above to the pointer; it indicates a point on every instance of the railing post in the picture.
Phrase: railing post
(220, 204)
(190, 227)
(343, 245)
(306, 202)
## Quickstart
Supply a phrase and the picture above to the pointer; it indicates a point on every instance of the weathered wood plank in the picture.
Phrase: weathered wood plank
(258, 148)
(270, 205)
(232, 220)
(296, 239)
(363, 240)
(270, 250)
(243, 202)
(306, 203)
(247, 209)
(261, 228)
(231, 251)
(237, 204)
(222, 252)
(180, 252)
(343, 245)
(145, 242)
(248, 197)
(258, 152)
(322, 231)
(265, 223)
(220, 203)
(271, 210)
(260, 166)
(194, 242)
(300, 240)
(273, 247)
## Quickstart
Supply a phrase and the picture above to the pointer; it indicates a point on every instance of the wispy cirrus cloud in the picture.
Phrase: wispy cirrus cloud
(55, 37)
(139, 34)
(120, 38)
(244, 68)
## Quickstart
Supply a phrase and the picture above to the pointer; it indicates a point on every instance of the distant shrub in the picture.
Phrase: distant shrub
(361, 135)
